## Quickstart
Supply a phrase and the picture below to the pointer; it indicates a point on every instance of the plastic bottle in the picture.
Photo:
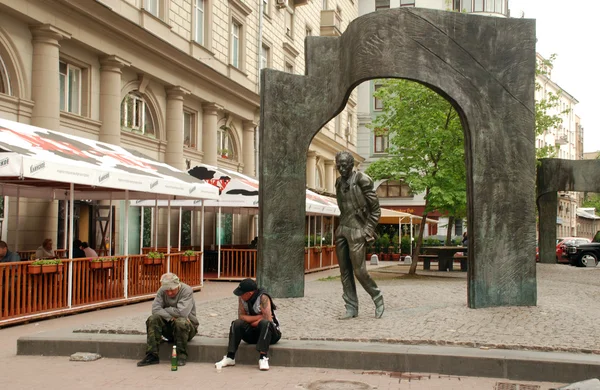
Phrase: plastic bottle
(174, 359)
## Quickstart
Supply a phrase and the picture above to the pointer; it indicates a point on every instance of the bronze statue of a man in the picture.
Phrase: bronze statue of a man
(359, 215)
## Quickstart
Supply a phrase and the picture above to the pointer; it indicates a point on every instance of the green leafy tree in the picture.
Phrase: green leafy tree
(545, 107)
(426, 147)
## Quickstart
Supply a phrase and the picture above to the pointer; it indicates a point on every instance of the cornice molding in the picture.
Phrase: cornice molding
(241, 7)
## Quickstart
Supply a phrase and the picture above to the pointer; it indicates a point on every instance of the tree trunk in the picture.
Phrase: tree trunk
(413, 266)
(449, 234)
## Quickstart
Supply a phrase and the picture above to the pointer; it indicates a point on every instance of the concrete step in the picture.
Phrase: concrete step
(494, 363)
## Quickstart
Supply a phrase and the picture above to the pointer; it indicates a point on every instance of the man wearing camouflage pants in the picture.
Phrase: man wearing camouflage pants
(173, 316)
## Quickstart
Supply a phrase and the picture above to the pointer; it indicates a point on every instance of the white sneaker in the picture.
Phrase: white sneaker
(263, 364)
(224, 363)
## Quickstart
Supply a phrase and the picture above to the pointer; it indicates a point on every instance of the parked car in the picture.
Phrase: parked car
(583, 254)
(561, 247)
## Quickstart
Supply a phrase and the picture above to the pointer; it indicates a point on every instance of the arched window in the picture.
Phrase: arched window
(4, 80)
(394, 189)
(225, 147)
(136, 115)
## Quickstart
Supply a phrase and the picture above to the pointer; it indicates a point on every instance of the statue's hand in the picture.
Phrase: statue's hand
(369, 237)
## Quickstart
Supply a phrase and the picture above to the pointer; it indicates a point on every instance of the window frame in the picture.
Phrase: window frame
(289, 19)
(5, 87)
(200, 23)
(265, 56)
(139, 116)
(193, 128)
(381, 142)
(377, 103)
(65, 94)
(403, 189)
(236, 53)
(225, 142)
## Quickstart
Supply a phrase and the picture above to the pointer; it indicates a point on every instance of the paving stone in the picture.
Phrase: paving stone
(428, 309)
(84, 357)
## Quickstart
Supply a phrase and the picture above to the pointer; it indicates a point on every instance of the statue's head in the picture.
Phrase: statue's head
(344, 162)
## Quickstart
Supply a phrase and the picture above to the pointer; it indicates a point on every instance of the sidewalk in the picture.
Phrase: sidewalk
(429, 309)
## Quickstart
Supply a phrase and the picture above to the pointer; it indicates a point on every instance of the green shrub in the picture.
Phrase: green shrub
(189, 252)
(46, 262)
(405, 244)
(431, 242)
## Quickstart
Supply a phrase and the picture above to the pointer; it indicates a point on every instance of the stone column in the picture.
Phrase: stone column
(209, 133)
(110, 98)
(248, 148)
(174, 150)
(330, 176)
(311, 167)
(45, 90)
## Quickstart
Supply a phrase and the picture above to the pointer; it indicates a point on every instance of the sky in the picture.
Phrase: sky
(570, 29)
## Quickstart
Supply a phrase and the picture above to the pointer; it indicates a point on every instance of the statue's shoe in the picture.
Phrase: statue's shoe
(349, 314)
(379, 307)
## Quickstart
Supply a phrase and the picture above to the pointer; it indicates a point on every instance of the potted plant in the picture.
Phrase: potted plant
(395, 247)
(153, 258)
(223, 152)
(385, 244)
(188, 256)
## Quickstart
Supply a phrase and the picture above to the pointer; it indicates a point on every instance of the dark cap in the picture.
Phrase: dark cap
(245, 286)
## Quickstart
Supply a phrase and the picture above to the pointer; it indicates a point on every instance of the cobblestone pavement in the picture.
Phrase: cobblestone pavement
(428, 309)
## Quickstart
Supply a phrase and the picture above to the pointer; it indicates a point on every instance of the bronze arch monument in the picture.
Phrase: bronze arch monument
(484, 66)
(555, 174)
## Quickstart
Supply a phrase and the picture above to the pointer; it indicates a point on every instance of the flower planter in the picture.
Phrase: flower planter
(189, 259)
(34, 269)
(107, 264)
(395, 256)
(50, 268)
(158, 261)
(95, 265)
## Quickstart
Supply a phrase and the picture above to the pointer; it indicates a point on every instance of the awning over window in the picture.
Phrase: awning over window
(43, 163)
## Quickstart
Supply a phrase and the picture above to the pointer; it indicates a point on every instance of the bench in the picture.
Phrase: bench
(426, 259)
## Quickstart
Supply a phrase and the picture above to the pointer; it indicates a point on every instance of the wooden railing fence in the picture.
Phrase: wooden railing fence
(26, 295)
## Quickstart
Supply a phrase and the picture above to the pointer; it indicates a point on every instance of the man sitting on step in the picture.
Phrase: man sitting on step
(256, 324)
(173, 316)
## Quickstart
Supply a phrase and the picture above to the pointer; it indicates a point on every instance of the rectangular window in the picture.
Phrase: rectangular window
(377, 103)
(199, 15)
(70, 87)
(478, 6)
(235, 44)
(325, 4)
(289, 22)
(189, 129)
(152, 7)
(264, 57)
(289, 68)
(380, 144)
(308, 31)
(265, 7)
(382, 4)
(407, 3)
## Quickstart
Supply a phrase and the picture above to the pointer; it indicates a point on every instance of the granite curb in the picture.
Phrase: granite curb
(448, 360)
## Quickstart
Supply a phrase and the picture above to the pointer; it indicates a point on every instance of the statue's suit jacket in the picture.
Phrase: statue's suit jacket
(365, 205)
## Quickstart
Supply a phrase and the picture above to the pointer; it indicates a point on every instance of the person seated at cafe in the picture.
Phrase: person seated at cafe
(77, 251)
(45, 250)
(7, 256)
(89, 252)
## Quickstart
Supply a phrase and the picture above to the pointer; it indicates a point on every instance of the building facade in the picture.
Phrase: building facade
(567, 139)
(177, 80)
